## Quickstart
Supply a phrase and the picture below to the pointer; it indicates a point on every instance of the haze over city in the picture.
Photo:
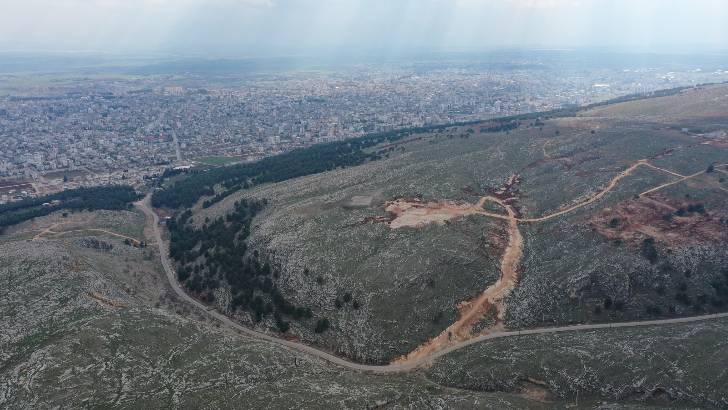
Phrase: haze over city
(237, 28)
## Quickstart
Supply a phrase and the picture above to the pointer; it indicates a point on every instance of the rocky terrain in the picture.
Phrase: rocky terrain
(674, 366)
(91, 326)
(608, 216)
(569, 179)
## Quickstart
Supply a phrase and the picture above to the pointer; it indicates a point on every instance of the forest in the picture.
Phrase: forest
(217, 255)
(116, 197)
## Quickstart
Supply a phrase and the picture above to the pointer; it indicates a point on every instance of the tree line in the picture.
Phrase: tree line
(325, 157)
(297, 163)
(107, 197)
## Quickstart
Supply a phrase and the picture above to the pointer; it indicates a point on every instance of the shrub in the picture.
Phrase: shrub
(282, 325)
(649, 251)
(322, 325)
(438, 317)
(654, 310)
(607, 303)
(699, 208)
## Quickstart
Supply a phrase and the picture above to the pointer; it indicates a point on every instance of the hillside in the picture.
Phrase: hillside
(430, 248)
(89, 321)
(618, 218)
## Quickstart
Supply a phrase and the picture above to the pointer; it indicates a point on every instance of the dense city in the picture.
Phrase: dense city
(120, 129)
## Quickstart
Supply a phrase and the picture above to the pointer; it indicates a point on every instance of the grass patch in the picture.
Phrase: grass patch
(218, 160)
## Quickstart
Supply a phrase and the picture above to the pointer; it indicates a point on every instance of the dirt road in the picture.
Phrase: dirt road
(612, 184)
(51, 232)
(473, 311)
(153, 221)
(599, 195)
(509, 263)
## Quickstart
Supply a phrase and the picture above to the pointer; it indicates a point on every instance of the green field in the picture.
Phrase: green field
(217, 160)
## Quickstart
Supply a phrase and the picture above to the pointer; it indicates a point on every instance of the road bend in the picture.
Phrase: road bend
(400, 367)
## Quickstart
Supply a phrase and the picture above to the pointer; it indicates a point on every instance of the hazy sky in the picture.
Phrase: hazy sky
(248, 27)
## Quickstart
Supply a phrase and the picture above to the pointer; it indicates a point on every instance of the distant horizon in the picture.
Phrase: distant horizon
(91, 61)
(255, 28)
(713, 51)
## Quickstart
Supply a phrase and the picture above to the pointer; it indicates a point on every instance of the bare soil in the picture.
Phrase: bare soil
(634, 220)
(416, 214)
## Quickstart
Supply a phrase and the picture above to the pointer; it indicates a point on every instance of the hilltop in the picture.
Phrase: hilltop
(618, 220)
(405, 247)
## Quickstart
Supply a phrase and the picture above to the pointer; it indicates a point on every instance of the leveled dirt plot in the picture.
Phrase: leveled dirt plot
(416, 214)
(491, 300)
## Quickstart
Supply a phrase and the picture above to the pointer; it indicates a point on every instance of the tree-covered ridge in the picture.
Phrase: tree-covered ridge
(106, 197)
(297, 163)
(328, 156)
(217, 256)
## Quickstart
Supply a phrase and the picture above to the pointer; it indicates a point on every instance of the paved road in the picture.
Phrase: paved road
(153, 219)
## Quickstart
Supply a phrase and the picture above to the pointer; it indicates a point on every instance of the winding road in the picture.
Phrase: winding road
(398, 367)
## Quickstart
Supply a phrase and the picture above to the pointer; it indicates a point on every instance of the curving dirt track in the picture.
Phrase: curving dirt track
(599, 195)
(470, 312)
(51, 232)
(473, 311)
(153, 221)
(613, 184)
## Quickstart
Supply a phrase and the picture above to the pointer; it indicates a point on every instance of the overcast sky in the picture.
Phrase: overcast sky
(250, 27)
